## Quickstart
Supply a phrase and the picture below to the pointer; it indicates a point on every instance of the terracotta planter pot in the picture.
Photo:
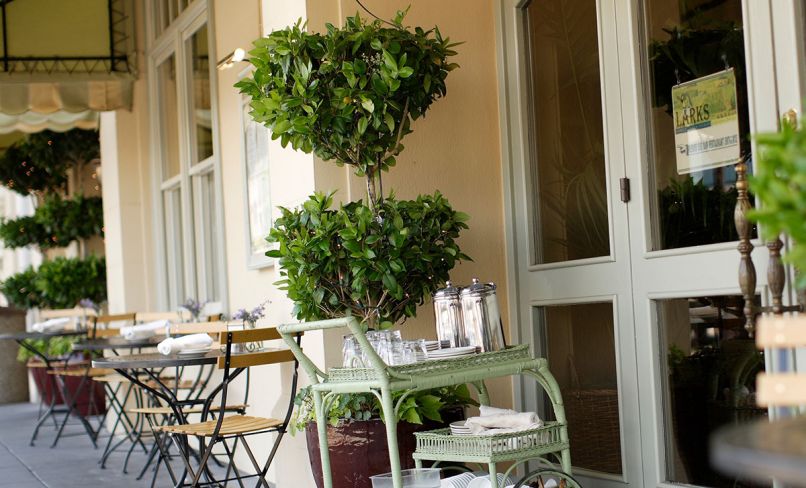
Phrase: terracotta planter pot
(91, 400)
(358, 449)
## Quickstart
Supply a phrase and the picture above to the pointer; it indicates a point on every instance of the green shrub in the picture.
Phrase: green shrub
(40, 161)
(60, 283)
(340, 261)
(351, 93)
(56, 347)
(779, 183)
(20, 290)
(63, 282)
(56, 223)
(21, 232)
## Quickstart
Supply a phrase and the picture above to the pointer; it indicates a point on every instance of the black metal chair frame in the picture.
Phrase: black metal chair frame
(216, 438)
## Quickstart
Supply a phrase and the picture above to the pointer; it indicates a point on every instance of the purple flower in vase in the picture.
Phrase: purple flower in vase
(194, 306)
(250, 316)
(88, 303)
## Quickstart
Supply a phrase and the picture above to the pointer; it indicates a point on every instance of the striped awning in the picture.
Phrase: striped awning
(63, 62)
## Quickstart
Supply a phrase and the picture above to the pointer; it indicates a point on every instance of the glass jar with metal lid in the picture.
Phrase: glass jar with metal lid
(481, 316)
(448, 315)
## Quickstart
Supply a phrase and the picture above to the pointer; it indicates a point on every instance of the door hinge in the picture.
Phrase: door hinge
(624, 183)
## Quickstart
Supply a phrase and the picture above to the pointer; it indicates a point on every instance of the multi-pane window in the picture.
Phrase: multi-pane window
(191, 250)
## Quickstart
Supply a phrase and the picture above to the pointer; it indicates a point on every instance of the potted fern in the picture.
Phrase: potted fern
(350, 95)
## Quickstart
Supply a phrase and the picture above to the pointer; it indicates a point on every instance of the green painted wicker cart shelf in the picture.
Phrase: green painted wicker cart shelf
(382, 380)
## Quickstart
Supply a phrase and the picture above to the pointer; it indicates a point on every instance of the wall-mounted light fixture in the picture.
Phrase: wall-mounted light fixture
(231, 59)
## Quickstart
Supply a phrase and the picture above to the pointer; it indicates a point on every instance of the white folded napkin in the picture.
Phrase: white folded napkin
(503, 423)
(173, 345)
(52, 325)
(144, 331)
(486, 411)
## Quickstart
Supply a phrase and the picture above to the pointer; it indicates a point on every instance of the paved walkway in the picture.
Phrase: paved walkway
(72, 464)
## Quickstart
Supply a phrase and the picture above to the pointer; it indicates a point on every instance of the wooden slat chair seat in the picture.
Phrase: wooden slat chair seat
(232, 425)
(171, 384)
(79, 372)
(111, 378)
(781, 389)
(235, 427)
(187, 411)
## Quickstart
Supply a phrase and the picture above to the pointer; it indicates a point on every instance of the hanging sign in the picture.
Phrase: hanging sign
(706, 122)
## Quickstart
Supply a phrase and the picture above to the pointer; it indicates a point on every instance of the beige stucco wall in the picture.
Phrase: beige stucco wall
(455, 149)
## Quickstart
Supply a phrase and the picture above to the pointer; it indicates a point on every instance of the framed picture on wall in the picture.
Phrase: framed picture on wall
(257, 194)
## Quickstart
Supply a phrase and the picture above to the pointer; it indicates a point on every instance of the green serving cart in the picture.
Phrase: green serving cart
(382, 380)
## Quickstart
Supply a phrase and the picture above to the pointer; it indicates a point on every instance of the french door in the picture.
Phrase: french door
(624, 266)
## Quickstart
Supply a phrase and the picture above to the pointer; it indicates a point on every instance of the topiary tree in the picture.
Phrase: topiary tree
(56, 223)
(20, 290)
(63, 282)
(39, 163)
(350, 95)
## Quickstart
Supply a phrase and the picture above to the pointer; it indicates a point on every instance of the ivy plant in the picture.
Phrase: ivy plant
(56, 223)
(779, 183)
(40, 161)
(348, 94)
(345, 261)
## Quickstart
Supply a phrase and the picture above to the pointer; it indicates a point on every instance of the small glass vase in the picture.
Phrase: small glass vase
(256, 346)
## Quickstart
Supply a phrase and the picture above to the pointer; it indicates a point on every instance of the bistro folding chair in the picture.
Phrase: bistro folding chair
(234, 428)
(159, 415)
(69, 373)
(174, 317)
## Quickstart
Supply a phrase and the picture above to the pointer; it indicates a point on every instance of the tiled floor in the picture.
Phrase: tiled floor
(72, 464)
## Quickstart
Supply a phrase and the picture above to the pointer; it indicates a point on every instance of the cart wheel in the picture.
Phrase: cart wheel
(547, 478)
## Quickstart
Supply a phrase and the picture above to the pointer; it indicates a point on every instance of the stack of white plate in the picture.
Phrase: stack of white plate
(459, 428)
(452, 352)
(434, 345)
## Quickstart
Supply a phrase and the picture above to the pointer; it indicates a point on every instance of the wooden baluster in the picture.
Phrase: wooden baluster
(747, 270)
(776, 276)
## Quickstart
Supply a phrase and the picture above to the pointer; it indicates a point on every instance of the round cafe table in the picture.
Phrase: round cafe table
(24, 340)
(763, 450)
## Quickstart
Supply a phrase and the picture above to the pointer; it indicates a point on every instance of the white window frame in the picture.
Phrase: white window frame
(194, 274)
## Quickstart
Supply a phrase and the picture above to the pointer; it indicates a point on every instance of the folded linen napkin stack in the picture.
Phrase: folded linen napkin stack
(176, 345)
(144, 331)
(52, 325)
(502, 421)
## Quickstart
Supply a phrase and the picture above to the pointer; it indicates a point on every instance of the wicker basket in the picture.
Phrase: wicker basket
(440, 444)
(593, 429)
(426, 368)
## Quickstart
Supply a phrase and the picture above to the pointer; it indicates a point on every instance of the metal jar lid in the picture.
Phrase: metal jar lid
(478, 289)
(449, 291)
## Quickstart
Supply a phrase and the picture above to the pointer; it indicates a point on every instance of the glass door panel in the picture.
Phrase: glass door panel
(568, 170)
(689, 40)
(581, 350)
(709, 370)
